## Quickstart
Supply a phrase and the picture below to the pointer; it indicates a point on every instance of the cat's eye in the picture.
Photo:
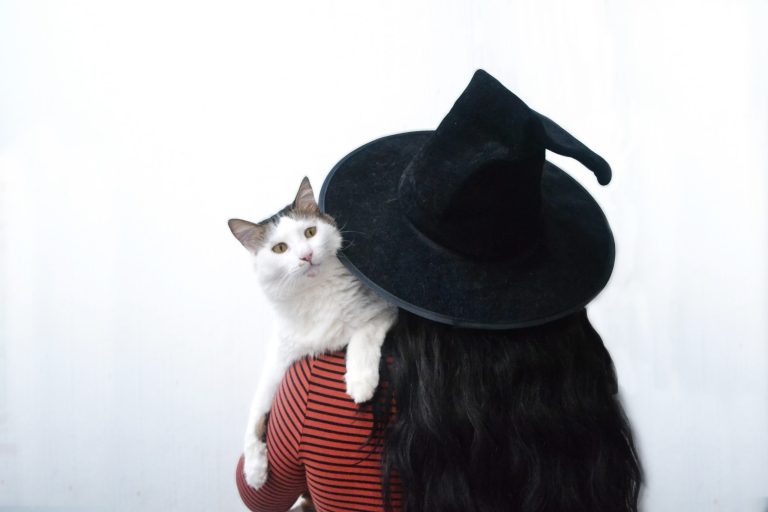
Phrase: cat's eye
(310, 232)
(280, 248)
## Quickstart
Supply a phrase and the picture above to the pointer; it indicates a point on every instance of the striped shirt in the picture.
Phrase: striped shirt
(316, 443)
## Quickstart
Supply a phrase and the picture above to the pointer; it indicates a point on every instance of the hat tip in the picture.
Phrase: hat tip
(605, 175)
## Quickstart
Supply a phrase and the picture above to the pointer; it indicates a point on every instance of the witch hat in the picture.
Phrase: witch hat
(469, 224)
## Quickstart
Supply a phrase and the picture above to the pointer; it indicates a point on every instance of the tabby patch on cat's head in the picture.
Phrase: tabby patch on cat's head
(253, 234)
(293, 243)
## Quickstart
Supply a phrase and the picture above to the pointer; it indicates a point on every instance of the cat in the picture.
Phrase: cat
(319, 307)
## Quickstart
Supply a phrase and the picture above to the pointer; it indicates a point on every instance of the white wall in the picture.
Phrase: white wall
(130, 328)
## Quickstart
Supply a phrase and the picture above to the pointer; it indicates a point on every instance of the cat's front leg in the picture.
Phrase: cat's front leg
(363, 355)
(254, 445)
(255, 461)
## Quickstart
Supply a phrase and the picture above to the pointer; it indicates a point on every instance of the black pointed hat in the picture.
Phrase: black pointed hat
(468, 224)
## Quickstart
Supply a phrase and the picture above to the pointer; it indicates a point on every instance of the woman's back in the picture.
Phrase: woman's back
(523, 420)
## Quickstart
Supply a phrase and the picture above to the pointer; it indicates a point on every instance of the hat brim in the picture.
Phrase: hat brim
(570, 266)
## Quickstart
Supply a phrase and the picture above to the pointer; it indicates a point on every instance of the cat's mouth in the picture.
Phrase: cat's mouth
(311, 269)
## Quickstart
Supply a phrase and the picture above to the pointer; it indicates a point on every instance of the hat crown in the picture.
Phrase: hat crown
(475, 186)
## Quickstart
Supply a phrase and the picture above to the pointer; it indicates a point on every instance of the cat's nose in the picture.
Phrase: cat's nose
(307, 257)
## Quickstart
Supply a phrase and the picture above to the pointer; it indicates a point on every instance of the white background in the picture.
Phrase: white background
(130, 326)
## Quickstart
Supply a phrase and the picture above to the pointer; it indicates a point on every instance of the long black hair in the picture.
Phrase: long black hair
(516, 420)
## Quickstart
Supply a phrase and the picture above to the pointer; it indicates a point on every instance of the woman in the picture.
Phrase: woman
(497, 393)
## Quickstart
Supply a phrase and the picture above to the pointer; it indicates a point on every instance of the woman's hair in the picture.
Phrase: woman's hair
(513, 420)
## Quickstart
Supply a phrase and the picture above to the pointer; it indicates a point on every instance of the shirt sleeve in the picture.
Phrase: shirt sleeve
(286, 479)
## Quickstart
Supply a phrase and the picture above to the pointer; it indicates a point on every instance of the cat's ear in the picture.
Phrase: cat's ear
(250, 235)
(305, 199)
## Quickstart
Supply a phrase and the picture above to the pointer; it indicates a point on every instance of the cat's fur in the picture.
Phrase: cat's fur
(319, 307)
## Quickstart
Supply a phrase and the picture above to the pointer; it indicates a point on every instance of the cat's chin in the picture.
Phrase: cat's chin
(312, 271)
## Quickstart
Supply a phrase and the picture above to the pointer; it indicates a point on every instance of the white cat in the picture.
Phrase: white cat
(319, 307)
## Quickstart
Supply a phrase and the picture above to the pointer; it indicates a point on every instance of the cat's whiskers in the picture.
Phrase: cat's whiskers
(343, 230)
(345, 243)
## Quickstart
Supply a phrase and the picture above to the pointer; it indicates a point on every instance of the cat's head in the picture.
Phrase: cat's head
(293, 246)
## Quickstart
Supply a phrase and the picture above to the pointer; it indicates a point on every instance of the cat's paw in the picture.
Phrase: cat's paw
(255, 464)
(361, 385)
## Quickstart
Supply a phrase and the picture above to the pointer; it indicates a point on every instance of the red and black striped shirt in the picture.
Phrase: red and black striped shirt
(316, 442)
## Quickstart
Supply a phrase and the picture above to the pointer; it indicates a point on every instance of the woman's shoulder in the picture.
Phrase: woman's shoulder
(325, 360)
(335, 358)
(322, 378)
(329, 366)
